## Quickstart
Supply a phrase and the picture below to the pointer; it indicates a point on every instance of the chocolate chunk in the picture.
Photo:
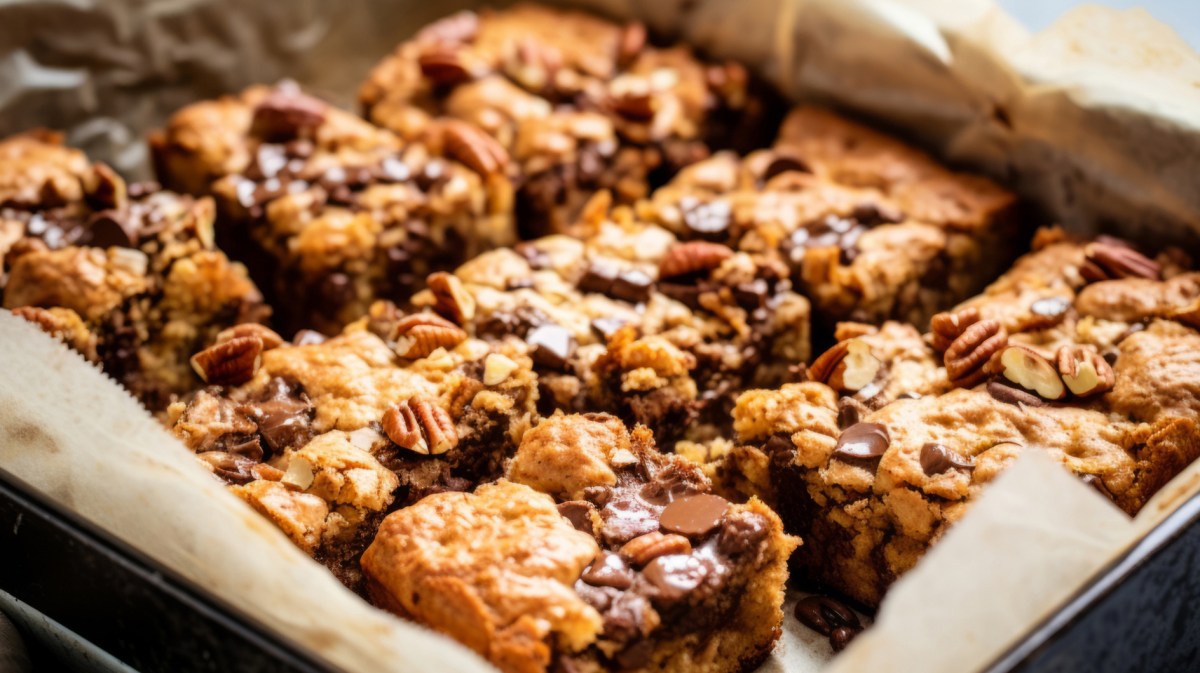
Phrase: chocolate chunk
(936, 459)
(307, 337)
(824, 614)
(1051, 307)
(1097, 483)
(109, 228)
(606, 327)
(598, 495)
(694, 515)
(688, 294)
(625, 619)
(626, 517)
(608, 570)
(284, 423)
(1010, 395)
(286, 114)
(674, 576)
(579, 513)
(862, 442)
(875, 214)
(553, 345)
(850, 412)
(752, 295)
(780, 448)
(636, 655)
(233, 468)
(840, 637)
(598, 278)
(632, 285)
(600, 598)
(668, 487)
(784, 163)
(240, 444)
(707, 219)
(742, 532)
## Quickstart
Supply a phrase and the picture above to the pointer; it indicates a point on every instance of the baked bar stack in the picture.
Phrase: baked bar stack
(631, 321)
(597, 553)
(125, 274)
(578, 103)
(331, 212)
(1084, 351)
(871, 228)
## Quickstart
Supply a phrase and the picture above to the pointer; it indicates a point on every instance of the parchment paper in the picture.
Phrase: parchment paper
(1097, 119)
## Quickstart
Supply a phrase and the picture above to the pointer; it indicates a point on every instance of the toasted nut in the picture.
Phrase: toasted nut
(850, 330)
(443, 66)
(633, 40)
(452, 301)
(286, 114)
(967, 355)
(1084, 370)
(496, 368)
(948, 326)
(1112, 259)
(418, 335)
(105, 189)
(623, 458)
(230, 363)
(436, 425)
(685, 258)
(848, 367)
(1028, 369)
(474, 148)
(645, 548)
(634, 105)
(270, 339)
(299, 473)
(401, 426)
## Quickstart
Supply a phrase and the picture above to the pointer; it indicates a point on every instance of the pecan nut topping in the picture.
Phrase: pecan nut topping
(1113, 260)
(475, 149)
(286, 114)
(420, 426)
(948, 326)
(229, 363)
(968, 354)
(847, 367)
(1030, 370)
(682, 259)
(645, 548)
(452, 301)
(270, 338)
(419, 334)
(1084, 370)
(443, 66)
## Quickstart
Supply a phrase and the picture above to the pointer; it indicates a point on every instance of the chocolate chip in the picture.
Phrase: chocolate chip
(284, 423)
(674, 576)
(240, 444)
(307, 337)
(553, 345)
(598, 278)
(936, 459)
(874, 214)
(579, 513)
(694, 515)
(233, 468)
(1051, 307)
(688, 294)
(752, 295)
(625, 517)
(1010, 395)
(608, 570)
(850, 412)
(784, 163)
(668, 487)
(606, 327)
(632, 285)
(625, 619)
(742, 532)
(824, 614)
(599, 495)
(112, 228)
(862, 442)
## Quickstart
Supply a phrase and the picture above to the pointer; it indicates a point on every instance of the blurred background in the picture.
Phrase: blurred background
(1182, 15)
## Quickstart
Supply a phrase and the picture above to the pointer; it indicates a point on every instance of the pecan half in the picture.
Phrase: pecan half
(847, 367)
(682, 259)
(270, 338)
(645, 548)
(1114, 260)
(105, 189)
(475, 149)
(443, 66)
(418, 335)
(1084, 370)
(1030, 370)
(420, 426)
(229, 363)
(286, 114)
(452, 301)
(966, 356)
(948, 326)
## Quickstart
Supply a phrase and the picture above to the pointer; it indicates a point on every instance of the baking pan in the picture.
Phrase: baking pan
(1138, 614)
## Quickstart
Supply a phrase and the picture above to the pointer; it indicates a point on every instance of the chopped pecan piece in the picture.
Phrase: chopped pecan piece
(686, 258)
(848, 367)
(1113, 260)
(968, 354)
(270, 338)
(1030, 370)
(645, 548)
(420, 426)
(1084, 370)
(418, 335)
(948, 326)
(474, 148)
(453, 302)
(229, 363)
